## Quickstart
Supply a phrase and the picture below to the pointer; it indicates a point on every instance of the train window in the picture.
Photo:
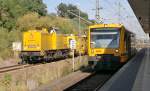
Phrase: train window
(105, 38)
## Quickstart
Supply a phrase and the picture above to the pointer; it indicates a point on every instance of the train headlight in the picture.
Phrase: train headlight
(117, 51)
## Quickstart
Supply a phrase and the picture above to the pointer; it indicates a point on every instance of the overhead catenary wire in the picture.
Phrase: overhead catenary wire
(124, 14)
(112, 8)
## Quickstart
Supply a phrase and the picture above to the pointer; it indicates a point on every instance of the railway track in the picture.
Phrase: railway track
(13, 67)
(19, 66)
(92, 83)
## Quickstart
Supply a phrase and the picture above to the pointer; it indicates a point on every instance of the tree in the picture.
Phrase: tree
(10, 10)
(63, 11)
(73, 9)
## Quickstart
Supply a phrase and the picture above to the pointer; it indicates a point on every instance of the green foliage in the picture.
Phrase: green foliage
(64, 25)
(93, 21)
(7, 79)
(3, 38)
(63, 11)
(27, 21)
(33, 20)
(10, 10)
(6, 39)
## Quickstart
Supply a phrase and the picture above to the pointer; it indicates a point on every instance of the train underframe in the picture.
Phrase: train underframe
(105, 62)
(44, 56)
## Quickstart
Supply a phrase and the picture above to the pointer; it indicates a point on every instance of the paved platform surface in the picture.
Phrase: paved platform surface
(134, 76)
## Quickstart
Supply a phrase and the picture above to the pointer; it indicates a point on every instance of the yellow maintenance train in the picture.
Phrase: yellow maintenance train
(43, 45)
(109, 45)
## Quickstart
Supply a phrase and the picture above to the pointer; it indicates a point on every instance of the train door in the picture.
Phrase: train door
(128, 44)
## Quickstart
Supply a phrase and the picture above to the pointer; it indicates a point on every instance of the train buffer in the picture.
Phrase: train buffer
(133, 76)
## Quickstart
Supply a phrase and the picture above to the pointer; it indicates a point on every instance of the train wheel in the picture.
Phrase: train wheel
(58, 54)
(47, 60)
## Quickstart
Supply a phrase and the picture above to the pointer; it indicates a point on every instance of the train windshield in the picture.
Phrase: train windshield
(105, 38)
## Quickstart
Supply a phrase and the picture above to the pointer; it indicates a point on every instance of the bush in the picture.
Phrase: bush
(6, 39)
(33, 20)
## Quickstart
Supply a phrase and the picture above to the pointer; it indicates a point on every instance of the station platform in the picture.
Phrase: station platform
(133, 76)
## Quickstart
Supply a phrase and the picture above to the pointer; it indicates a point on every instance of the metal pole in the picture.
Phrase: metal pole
(79, 34)
(119, 13)
(79, 23)
(73, 61)
(97, 11)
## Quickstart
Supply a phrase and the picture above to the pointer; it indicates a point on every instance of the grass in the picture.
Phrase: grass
(5, 82)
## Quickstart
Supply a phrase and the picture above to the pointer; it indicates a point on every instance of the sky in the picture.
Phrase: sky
(113, 11)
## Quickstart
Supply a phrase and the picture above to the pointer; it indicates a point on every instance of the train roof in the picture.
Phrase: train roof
(106, 25)
(115, 25)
